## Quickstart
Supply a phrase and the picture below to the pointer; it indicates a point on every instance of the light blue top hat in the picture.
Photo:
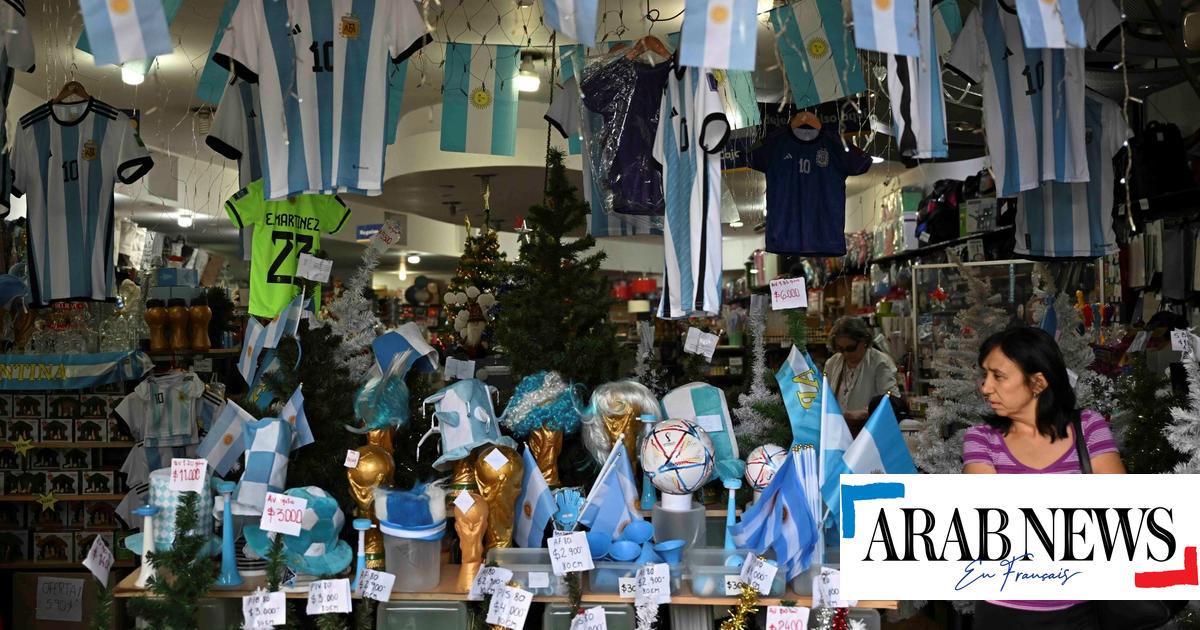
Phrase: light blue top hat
(317, 550)
(705, 406)
(167, 502)
(464, 417)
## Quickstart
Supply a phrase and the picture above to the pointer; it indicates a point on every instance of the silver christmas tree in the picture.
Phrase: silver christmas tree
(352, 315)
(753, 425)
(1184, 431)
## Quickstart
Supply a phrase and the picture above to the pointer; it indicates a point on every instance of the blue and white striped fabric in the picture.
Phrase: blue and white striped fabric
(566, 113)
(800, 386)
(574, 18)
(214, 78)
(1052, 23)
(819, 59)
(915, 90)
(71, 371)
(125, 30)
(479, 99)
(740, 97)
(613, 502)
(535, 506)
(268, 445)
(705, 406)
(947, 24)
(253, 343)
(878, 449)
(719, 34)
(781, 520)
(397, 75)
(224, 443)
(835, 440)
(887, 26)
(293, 414)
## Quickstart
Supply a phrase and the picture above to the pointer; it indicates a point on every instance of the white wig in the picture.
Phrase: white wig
(611, 399)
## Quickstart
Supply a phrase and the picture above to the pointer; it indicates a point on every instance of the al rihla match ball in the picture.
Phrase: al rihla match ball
(678, 456)
(762, 464)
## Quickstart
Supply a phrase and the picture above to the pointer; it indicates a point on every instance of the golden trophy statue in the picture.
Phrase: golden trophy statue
(463, 478)
(375, 467)
(500, 485)
(625, 423)
(470, 526)
(382, 438)
(546, 444)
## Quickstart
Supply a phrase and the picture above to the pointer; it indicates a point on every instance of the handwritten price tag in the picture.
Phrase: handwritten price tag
(313, 268)
(202, 365)
(1181, 342)
(283, 514)
(570, 554)
(627, 587)
(700, 342)
(827, 590)
(654, 583)
(328, 596)
(510, 606)
(487, 581)
(376, 585)
(758, 573)
(388, 237)
(351, 459)
(264, 610)
(187, 475)
(538, 579)
(787, 618)
(788, 293)
(733, 585)
(59, 599)
(590, 619)
(99, 560)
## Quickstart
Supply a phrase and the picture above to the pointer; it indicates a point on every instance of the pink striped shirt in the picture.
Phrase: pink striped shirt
(983, 444)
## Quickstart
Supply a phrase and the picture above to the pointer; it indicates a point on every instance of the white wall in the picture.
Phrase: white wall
(864, 210)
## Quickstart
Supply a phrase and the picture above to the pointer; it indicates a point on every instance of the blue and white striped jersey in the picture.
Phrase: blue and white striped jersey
(1075, 220)
(915, 89)
(16, 54)
(322, 71)
(66, 158)
(1032, 97)
(692, 130)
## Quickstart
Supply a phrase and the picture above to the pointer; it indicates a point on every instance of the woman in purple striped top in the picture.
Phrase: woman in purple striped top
(1025, 382)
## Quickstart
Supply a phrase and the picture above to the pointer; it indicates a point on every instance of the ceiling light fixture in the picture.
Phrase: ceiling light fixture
(875, 159)
(414, 259)
(735, 224)
(528, 79)
(131, 76)
(185, 217)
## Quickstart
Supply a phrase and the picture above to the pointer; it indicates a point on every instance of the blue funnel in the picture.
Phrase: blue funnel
(624, 551)
(671, 551)
(598, 544)
(637, 532)
(648, 554)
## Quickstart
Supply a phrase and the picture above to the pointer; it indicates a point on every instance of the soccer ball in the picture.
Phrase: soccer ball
(762, 464)
(678, 456)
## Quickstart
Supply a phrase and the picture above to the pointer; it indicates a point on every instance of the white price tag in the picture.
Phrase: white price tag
(700, 342)
(59, 599)
(627, 587)
(495, 459)
(328, 596)
(1139, 342)
(464, 502)
(457, 368)
(264, 610)
(283, 514)
(654, 583)
(733, 585)
(388, 237)
(788, 293)
(313, 268)
(187, 475)
(1179, 340)
(99, 560)
(758, 573)
(539, 579)
(570, 554)
(787, 618)
(510, 606)
(710, 423)
(487, 581)
(376, 585)
(352, 456)
(590, 619)
(202, 365)
(827, 590)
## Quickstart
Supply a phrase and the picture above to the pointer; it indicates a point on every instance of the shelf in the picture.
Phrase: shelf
(447, 591)
(29, 498)
(937, 247)
(214, 353)
(30, 564)
(75, 444)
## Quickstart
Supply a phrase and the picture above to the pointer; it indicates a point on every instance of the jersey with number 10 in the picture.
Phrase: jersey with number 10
(282, 231)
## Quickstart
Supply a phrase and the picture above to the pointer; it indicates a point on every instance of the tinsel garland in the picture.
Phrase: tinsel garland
(543, 401)
(753, 424)
(352, 315)
(646, 611)
(1184, 430)
(739, 613)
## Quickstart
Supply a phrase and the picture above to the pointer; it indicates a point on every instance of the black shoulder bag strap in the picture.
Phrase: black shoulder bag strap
(1085, 459)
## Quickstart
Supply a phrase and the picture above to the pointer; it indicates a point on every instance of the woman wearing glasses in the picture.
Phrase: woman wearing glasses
(857, 372)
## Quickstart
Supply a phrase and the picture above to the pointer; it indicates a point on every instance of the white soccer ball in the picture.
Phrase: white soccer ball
(762, 464)
(678, 456)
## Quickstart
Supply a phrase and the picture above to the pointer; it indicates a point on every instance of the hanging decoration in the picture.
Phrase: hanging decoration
(740, 612)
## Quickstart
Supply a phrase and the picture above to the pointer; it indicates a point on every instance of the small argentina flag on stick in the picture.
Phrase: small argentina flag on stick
(125, 30)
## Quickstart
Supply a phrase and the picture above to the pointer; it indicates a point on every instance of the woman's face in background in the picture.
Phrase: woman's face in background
(1005, 386)
(852, 351)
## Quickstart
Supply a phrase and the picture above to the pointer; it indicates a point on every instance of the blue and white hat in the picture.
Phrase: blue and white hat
(464, 416)
(168, 501)
(417, 514)
(317, 550)
(704, 405)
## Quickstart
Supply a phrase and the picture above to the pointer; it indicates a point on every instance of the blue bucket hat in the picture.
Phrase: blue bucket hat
(317, 550)
(464, 416)
(417, 514)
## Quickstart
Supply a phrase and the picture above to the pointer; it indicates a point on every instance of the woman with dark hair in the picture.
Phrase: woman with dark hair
(858, 372)
(1032, 431)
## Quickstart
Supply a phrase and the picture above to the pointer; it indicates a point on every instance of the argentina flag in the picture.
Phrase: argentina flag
(479, 99)
(612, 503)
(1051, 23)
(835, 441)
(879, 447)
(800, 386)
(781, 520)
(887, 26)
(820, 61)
(719, 34)
(293, 414)
(125, 30)
(224, 444)
(574, 18)
(535, 506)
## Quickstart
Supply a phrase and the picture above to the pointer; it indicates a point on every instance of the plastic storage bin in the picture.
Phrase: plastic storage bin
(707, 569)
(527, 563)
(421, 615)
(414, 558)
(606, 576)
(802, 584)
(616, 617)
(687, 525)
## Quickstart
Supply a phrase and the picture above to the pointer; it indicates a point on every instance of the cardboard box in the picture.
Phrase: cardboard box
(14, 545)
(57, 430)
(62, 406)
(91, 430)
(28, 406)
(9, 460)
(5, 407)
(93, 406)
(64, 481)
(113, 401)
(84, 540)
(118, 432)
(12, 515)
(170, 293)
(22, 429)
(76, 459)
(96, 514)
(53, 547)
(24, 482)
(44, 459)
(98, 482)
(50, 519)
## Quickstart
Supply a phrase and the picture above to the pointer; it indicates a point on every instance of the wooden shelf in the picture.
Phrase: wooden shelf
(29, 498)
(937, 247)
(215, 353)
(30, 564)
(447, 591)
(75, 445)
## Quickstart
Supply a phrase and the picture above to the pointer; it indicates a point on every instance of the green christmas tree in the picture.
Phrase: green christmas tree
(172, 602)
(480, 264)
(555, 314)
(1141, 423)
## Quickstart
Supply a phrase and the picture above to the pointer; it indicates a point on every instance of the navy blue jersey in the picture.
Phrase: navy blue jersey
(806, 190)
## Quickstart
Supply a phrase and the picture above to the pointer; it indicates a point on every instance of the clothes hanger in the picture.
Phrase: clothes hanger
(71, 88)
(805, 119)
(649, 43)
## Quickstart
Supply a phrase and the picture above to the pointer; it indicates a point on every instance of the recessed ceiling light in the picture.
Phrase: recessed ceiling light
(132, 76)
(413, 259)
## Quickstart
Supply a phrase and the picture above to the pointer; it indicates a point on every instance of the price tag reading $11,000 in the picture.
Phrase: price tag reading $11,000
(283, 514)
(187, 475)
